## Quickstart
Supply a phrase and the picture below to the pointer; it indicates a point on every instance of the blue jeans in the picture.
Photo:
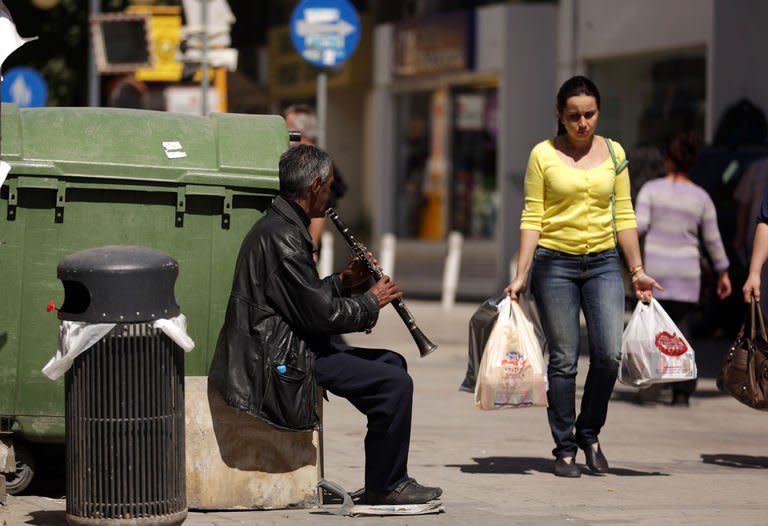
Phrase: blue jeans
(562, 284)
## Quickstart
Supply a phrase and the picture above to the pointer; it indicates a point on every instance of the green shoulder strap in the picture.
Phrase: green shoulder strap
(618, 168)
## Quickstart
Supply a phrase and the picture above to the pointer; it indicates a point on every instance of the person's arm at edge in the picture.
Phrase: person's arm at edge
(759, 255)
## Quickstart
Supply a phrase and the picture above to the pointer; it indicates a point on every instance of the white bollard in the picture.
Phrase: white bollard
(388, 248)
(325, 265)
(451, 271)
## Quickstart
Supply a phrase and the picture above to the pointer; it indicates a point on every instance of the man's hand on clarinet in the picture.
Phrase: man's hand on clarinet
(355, 275)
(386, 291)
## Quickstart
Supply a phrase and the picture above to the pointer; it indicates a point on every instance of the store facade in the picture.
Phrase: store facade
(457, 103)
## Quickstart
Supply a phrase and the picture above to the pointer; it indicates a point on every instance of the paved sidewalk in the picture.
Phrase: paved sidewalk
(704, 465)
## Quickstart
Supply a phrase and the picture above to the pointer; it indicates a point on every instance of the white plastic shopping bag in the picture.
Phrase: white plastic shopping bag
(653, 350)
(512, 371)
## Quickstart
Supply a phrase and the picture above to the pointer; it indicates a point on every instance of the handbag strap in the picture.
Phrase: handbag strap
(617, 168)
(755, 306)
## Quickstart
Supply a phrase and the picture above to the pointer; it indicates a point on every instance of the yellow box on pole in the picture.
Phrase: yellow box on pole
(165, 36)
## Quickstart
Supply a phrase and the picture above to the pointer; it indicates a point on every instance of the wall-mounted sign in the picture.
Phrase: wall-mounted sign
(439, 44)
(470, 111)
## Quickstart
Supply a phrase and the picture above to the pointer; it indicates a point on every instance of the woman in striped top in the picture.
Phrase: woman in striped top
(673, 212)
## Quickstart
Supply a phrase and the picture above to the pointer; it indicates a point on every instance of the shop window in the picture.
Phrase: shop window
(413, 145)
(473, 192)
(446, 149)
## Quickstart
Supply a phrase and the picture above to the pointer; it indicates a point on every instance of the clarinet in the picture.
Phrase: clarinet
(360, 251)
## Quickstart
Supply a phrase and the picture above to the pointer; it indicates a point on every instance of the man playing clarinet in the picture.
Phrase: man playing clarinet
(275, 346)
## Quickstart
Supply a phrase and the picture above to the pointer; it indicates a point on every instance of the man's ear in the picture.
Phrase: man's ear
(316, 183)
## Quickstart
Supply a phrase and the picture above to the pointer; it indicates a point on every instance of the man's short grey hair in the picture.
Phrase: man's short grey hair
(305, 119)
(299, 166)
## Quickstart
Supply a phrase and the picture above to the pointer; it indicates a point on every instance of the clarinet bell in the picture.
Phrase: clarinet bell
(422, 342)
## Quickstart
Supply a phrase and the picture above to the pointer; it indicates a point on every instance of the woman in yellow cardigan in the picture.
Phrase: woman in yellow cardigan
(576, 207)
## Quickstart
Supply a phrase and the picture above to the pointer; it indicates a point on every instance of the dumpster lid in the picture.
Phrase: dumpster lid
(222, 149)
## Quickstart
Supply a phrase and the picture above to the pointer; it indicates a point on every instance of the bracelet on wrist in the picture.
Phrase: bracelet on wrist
(637, 268)
(637, 275)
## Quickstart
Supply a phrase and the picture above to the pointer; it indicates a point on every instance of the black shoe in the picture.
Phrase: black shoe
(567, 469)
(649, 395)
(407, 492)
(358, 495)
(595, 458)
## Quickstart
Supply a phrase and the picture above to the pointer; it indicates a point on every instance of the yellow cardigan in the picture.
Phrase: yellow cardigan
(571, 207)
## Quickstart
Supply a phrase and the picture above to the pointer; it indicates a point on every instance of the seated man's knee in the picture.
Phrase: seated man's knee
(396, 359)
(401, 383)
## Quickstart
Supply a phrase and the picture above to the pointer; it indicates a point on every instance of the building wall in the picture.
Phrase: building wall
(344, 128)
(607, 28)
(517, 44)
(527, 111)
(739, 58)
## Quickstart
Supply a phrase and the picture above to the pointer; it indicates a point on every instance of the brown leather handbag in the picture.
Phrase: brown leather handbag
(744, 369)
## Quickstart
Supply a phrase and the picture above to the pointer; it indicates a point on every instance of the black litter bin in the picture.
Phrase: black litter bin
(125, 395)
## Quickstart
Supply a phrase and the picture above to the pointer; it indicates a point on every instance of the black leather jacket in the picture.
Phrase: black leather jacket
(279, 311)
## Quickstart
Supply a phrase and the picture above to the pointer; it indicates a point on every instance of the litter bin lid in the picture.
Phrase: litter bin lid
(119, 283)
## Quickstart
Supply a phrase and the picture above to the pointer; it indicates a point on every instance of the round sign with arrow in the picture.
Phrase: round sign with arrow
(325, 32)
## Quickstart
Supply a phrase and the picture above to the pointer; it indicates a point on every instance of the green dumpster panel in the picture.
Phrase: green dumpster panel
(87, 177)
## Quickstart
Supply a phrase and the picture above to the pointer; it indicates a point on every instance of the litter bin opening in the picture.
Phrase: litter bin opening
(76, 297)
(118, 283)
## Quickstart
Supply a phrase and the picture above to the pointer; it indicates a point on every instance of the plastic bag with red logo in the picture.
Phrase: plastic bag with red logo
(512, 372)
(653, 350)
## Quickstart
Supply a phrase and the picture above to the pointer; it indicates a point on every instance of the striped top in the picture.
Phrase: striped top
(672, 214)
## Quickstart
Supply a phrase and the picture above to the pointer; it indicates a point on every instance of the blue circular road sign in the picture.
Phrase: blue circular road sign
(24, 87)
(325, 32)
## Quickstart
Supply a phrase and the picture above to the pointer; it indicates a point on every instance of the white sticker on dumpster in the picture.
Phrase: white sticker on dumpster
(174, 150)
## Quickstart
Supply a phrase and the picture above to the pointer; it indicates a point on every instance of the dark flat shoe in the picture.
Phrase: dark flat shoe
(595, 458)
(407, 492)
(567, 469)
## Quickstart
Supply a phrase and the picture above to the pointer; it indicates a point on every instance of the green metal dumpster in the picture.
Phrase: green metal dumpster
(84, 177)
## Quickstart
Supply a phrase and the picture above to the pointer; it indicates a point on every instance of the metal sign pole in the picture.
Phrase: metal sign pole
(94, 79)
(204, 80)
(322, 104)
